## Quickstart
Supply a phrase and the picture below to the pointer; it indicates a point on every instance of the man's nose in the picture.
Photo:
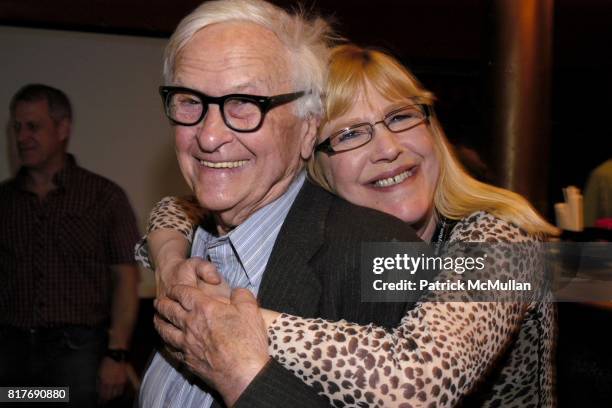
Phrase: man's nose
(212, 132)
(386, 144)
(22, 134)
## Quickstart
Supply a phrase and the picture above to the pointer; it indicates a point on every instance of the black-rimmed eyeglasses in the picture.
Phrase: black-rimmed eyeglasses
(396, 121)
(240, 112)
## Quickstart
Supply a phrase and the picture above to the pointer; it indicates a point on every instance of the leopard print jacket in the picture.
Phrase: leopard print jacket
(485, 354)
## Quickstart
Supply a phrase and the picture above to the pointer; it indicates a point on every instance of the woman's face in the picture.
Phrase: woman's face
(395, 173)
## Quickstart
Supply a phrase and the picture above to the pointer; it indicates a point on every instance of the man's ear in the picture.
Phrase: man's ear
(64, 127)
(309, 138)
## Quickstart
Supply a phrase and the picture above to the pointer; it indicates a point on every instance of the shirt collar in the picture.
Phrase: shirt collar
(256, 235)
(261, 229)
(60, 179)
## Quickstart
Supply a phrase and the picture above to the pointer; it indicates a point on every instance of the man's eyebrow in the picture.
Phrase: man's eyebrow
(244, 87)
(250, 85)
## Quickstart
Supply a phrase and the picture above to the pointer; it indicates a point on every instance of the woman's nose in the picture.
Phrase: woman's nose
(386, 146)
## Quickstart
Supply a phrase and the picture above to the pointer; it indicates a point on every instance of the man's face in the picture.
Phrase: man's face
(234, 174)
(39, 139)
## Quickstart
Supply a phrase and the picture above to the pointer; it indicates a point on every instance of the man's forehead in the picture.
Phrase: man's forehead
(36, 108)
(237, 54)
(241, 34)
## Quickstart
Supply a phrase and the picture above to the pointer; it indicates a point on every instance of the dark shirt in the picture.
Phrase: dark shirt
(55, 254)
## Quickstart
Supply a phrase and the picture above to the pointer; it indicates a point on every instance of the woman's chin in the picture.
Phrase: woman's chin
(410, 216)
(417, 216)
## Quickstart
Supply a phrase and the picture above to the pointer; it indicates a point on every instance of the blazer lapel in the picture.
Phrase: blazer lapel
(289, 283)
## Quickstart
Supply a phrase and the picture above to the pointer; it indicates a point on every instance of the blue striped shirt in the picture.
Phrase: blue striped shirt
(241, 257)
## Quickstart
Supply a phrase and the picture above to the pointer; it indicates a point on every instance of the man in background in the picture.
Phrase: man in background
(68, 284)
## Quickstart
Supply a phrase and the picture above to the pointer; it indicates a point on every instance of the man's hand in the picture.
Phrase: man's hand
(224, 344)
(112, 377)
(168, 249)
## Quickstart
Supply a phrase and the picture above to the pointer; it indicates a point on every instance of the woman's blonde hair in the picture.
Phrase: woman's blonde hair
(457, 193)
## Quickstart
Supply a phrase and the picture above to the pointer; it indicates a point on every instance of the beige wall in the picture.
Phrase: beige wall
(119, 129)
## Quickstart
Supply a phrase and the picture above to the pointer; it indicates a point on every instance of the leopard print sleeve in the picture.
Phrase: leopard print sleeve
(178, 213)
(438, 354)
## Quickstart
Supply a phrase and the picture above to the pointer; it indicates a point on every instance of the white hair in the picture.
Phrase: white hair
(307, 39)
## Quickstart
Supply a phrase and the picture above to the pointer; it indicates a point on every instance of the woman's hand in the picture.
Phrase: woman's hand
(168, 251)
(210, 281)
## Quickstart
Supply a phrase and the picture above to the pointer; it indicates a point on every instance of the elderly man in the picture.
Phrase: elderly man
(68, 297)
(245, 99)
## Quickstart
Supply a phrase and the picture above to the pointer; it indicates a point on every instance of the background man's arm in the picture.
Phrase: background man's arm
(112, 375)
(124, 309)
(121, 235)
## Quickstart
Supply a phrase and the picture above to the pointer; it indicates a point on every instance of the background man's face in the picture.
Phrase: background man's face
(38, 137)
(234, 174)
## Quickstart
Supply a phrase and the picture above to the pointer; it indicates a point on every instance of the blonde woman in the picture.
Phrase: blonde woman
(381, 146)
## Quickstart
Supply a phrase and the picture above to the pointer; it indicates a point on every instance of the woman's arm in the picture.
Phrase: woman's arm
(438, 354)
(171, 221)
(168, 251)
(166, 246)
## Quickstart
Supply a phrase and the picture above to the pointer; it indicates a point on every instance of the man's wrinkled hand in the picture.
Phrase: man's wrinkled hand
(224, 344)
